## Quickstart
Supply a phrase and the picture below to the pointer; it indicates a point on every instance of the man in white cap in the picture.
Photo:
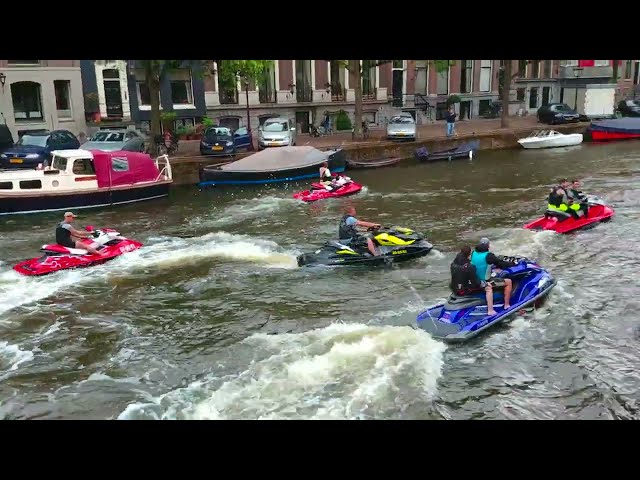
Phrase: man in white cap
(65, 234)
(482, 259)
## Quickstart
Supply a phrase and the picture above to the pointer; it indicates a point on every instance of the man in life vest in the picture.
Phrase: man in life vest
(577, 200)
(483, 259)
(349, 234)
(558, 197)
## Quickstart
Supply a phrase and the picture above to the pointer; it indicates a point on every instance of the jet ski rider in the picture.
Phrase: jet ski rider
(349, 235)
(577, 199)
(558, 198)
(464, 280)
(325, 175)
(66, 235)
(482, 259)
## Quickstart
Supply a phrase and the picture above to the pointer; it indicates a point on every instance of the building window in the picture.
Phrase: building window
(547, 69)
(536, 68)
(232, 123)
(522, 68)
(520, 94)
(337, 81)
(23, 62)
(601, 63)
(62, 90)
(304, 91)
(443, 82)
(144, 97)
(569, 63)
(628, 69)
(533, 98)
(181, 89)
(368, 79)
(485, 75)
(267, 85)
(422, 77)
(398, 64)
(27, 101)
(466, 76)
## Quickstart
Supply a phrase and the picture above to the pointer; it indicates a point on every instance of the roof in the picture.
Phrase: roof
(73, 153)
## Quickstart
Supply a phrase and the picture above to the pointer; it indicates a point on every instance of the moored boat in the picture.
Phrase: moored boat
(466, 150)
(80, 179)
(284, 164)
(550, 139)
(615, 129)
(384, 162)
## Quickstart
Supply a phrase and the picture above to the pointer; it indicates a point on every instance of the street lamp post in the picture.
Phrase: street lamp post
(246, 91)
(576, 73)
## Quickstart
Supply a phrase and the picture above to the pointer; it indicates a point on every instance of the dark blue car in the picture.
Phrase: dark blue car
(34, 148)
(221, 141)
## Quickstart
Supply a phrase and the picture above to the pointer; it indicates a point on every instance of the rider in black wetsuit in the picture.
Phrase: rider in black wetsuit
(464, 280)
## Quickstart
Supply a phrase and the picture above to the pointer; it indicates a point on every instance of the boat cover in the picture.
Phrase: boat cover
(123, 168)
(278, 158)
(621, 125)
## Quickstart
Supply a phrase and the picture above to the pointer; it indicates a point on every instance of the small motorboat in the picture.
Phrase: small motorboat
(385, 162)
(320, 191)
(625, 128)
(56, 257)
(550, 139)
(466, 150)
(461, 318)
(565, 222)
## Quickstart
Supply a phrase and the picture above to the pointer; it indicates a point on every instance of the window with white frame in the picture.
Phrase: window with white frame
(485, 75)
(27, 101)
(535, 64)
(422, 77)
(23, 62)
(181, 89)
(443, 82)
(547, 69)
(466, 76)
(628, 69)
(142, 90)
(569, 63)
(601, 63)
(62, 89)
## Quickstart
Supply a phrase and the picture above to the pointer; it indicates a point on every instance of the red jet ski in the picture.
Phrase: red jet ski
(319, 191)
(564, 222)
(57, 257)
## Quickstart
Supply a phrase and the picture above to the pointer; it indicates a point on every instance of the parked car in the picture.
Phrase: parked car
(36, 147)
(112, 140)
(222, 141)
(277, 132)
(557, 113)
(401, 127)
(629, 108)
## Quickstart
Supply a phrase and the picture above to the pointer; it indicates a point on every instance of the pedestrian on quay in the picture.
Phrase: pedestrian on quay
(450, 117)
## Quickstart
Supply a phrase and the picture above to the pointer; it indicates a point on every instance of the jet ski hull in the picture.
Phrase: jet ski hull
(464, 317)
(328, 256)
(56, 258)
(319, 192)
(561, 222)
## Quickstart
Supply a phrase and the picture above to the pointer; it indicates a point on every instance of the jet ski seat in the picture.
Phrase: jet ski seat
(458, 302)
(561, 216)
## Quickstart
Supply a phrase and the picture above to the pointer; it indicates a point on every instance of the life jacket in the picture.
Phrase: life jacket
(346, 231)
(557, 201)
(463, 279)
(483, 269)
(62, 234)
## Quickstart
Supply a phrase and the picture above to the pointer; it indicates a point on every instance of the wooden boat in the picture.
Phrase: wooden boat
(85, 179)
(283, 164)
(466, 150)
(550, 139)
(385, 162)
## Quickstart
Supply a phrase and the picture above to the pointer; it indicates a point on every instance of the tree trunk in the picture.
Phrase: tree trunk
(614, 73)
(354, 66)
(506, 90)
(152, 78)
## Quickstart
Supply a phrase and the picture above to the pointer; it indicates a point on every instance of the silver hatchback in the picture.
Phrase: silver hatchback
(401, 127)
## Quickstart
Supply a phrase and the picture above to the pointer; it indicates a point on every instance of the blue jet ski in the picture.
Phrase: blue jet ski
(464, 317)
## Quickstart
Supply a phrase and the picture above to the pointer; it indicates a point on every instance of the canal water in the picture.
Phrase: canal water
(213, 319)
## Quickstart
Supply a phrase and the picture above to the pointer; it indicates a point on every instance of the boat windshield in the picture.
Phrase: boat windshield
(401, 119)
(275, 127)
(35, 140)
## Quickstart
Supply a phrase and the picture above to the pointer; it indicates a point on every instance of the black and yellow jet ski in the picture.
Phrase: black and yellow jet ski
(395, 244)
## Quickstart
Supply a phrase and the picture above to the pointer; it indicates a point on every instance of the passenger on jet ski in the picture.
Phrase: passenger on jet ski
(349, 234)
(66, 235)
(482, 259)
(464, 280)
(558, 197)
(325, 174)
(577, 199)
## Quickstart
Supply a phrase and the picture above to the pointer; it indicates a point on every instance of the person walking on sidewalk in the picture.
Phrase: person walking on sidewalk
(450, 117)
